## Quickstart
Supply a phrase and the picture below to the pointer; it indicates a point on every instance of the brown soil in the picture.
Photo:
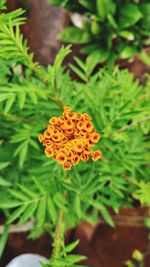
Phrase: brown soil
(103, 245)
(44, 23)
(19, 244)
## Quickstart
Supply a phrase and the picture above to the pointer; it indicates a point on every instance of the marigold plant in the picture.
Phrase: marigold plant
(69, 139)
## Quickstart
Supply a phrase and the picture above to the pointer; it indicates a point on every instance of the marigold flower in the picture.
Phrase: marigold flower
(78, 147)
(75, 160)
(80, 125)
(56, 137)
(88, 126)
(41, 138)
(67, 166)
(96, 155)
(78, 116)
(68, 124)
(61, 157)
(95, 137)
(53, 120)
(48, 152)
(86, 117)
(47, 134)
(84, 157)
(69, 139)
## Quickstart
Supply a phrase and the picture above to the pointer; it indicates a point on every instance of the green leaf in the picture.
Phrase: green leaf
(51, 210)
(3, 165)
(23, 153)
(22, 98)
(29, 192)
(104, 7)
(9, 203)
(3, 96)
(144, 57)
(4, 182)
(39, 185)
(143, 193)
(71, 246)
(75, 35)
(16, 214)
(95, 58)
(41, 213)
(103, 211)
(3, 239)
(77, 206)
(130, 14)
(128, 51)
(80, 73)
(10, 101)
(28, 212)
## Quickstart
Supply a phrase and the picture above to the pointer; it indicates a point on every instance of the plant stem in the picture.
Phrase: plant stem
(58, 237)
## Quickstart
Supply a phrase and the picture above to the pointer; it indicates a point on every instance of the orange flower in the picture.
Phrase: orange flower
(61, 119)
(86, 150)
(95, 137)
(78, 147)
(67, 109)
(61, 157)
(75, 160)
(70, 115)
(49, 152)
(96, 155)
(53, 120)
(78, 116)
(69, 131)
(80, 125)
(41, 138)
(88, 126)
(69, 138)
(84, 157)
(47, 134)
(56, 137)
(86, 117)
(68, 124)
(67, 166)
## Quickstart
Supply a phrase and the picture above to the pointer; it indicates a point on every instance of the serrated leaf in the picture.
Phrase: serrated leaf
(16, 214)
(28, 212)
(10, 101)
(51, 209)
(41, 213)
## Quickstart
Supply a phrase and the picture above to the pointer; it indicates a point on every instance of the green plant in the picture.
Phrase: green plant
(136, 261)
(34, 187)
(110, 30)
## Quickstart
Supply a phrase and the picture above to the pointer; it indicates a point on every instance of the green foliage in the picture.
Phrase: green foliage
(36, 188)
(143, 193)
(2, 4)
(121, 28)
(65, 259)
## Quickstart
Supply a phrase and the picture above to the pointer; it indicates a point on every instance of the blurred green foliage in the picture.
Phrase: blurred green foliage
(32, 186)
(110, 29)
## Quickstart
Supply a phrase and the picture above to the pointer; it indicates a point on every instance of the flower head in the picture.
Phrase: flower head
(69, 139)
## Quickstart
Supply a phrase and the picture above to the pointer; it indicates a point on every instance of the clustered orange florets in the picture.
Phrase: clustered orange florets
(69, 138)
